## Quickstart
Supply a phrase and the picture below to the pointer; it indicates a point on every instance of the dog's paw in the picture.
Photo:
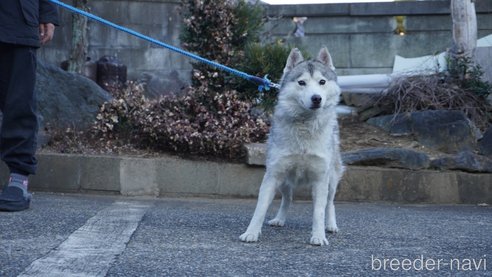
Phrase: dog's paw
(276, 222)
(332, 229)
(249, 237)
(318, 241)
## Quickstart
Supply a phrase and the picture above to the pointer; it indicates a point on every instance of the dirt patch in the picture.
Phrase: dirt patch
(356, 135)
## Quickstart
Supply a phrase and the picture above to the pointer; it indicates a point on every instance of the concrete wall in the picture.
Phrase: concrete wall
(173, 176)
(360, 36)
(159, 19)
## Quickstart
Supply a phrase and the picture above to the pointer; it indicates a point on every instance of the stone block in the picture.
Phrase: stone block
(422, 43)
(343, 70)
(114, 11)
(484, 20)
(105, 37)
(152, 13)
(180, 176)
(424, 186)
(175, 176)
(399, 8)
(100, 173)
(387, 157)
(57, 172)
(475, 188)
(483, 56)
(307, 10)
(441, 187)
(138, 177)
(346, 25)
(464, 161)
(239, 180)
(360, 184)
(365, 49)
(428, 23)
(337, 44)
(402, 186)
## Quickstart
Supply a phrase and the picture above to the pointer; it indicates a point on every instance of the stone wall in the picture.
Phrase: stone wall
(360, 36)
(159, 19)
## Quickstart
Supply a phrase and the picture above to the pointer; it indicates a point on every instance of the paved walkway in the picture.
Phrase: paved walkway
(90, 235)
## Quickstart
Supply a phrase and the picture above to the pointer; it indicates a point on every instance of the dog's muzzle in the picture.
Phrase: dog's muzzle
(316, 101)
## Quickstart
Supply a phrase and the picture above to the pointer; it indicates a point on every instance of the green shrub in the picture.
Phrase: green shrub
(261, 60)
(249, 21)
(218, 30)
(468, 75)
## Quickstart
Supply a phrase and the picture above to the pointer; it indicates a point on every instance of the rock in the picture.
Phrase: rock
(156, 86)
(465, 161)
(446, 131)
(395, 125)
(67, 99)
(89, 69)
(485, 143)
(110, 72)
(365, 114)
(443, 130)
(387, 157)
(358, 98)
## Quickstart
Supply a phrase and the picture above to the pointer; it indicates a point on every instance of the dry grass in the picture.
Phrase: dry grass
(434, 92)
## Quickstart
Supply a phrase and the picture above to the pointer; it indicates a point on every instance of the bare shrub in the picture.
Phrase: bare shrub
(434, 92)
(199, 123)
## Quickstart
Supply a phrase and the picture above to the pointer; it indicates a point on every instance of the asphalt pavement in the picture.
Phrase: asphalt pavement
(103, 235)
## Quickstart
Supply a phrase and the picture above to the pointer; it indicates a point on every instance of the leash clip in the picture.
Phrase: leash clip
(267, 84)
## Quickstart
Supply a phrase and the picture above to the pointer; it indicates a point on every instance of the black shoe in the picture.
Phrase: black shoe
(13, 199)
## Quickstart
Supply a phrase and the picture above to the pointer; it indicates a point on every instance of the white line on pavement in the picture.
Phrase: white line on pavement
(91, 249)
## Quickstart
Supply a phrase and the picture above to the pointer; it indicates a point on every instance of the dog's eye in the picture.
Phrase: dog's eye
(301, 83)
(322, 82)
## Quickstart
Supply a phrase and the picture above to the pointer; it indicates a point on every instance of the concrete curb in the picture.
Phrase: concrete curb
(174, 176)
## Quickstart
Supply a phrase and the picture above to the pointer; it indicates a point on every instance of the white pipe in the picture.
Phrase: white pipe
(364, 81)
(364, 90)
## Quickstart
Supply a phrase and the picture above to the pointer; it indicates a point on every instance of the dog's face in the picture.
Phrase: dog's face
(310, 84)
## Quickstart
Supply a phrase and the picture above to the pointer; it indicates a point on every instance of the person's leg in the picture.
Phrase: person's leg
(19, 125)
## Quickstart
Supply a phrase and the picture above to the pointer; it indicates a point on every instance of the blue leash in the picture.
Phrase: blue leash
(264, 84)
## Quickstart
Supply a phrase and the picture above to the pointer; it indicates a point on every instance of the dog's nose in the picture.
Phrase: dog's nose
(316, 99)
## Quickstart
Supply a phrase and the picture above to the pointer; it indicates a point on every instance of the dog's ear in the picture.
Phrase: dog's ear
(294, 58)
(325, 58)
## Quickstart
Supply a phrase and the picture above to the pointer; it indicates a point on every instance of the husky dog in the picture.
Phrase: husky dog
(303, 146)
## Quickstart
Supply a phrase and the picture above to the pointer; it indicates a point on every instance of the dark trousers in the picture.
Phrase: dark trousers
(18, 105)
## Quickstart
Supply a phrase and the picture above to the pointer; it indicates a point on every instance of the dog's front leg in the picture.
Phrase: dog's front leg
(320, 197)
(331, 220)
(335, 175)
(265, 197)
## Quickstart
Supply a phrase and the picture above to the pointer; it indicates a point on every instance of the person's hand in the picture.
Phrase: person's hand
(46, 31)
